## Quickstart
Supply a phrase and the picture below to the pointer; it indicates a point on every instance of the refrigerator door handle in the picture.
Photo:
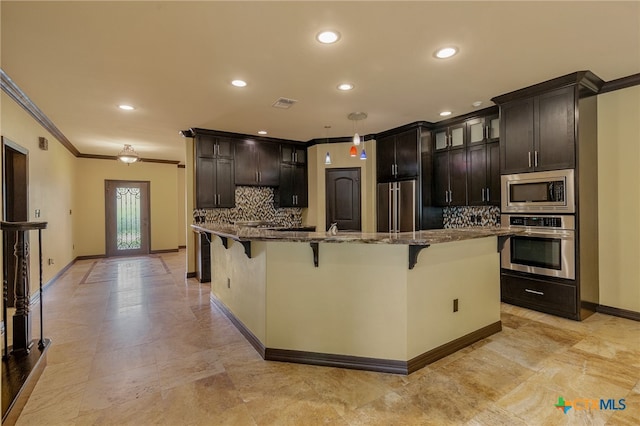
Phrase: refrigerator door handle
(391, 207)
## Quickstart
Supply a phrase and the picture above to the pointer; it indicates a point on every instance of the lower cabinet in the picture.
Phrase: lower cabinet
(542, 295)
(203, 257)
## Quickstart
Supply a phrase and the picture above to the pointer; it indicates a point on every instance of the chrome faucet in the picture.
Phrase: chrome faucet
(333, 229)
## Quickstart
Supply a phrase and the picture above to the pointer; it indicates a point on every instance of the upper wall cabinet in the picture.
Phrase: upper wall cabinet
(538, 124)
(450, 137)
(483, 129)
(257, 163)
(291, 154)
(398, 156)
(539, 132)
(214, 172)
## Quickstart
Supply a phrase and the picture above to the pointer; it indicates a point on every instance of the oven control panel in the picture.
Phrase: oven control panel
(542, 221)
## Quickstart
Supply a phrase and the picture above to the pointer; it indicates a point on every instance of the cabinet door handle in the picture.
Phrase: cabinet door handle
(529, 155)
(539, 293)
(392, 170)
(487, 194)
(535, 163)
(483, 195)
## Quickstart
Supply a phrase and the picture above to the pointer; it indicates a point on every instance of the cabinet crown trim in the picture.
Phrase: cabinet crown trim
(586, 79)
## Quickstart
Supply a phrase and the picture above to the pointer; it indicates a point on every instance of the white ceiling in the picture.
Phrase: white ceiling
(174, 61)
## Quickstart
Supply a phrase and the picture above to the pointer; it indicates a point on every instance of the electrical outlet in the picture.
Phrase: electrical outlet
(50, 261)
(455, 305)
(228, 282)
(37, 213)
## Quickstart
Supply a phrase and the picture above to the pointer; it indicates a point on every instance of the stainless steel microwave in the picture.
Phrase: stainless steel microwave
(539, 192)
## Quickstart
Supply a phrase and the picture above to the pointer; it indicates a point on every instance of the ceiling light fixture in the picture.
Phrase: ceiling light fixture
(355, 117)
(446, 52)
(128, 155)
(445, 113)
(126, 107)
(345, 87)
(476, 104)
(239, 83)
(262, 132)
(328, 37)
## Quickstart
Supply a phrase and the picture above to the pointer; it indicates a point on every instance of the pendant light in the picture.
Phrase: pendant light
(353, 152)
(355, 117)
(327, 158)
(363, 154)
(128, 155)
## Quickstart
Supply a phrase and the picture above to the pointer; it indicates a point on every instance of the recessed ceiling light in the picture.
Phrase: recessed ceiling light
(126, 107)
(328, 37)
(476, 104)
(262, 132)
(239, 83)
(345, 86)
(445, 52)
(445, 113)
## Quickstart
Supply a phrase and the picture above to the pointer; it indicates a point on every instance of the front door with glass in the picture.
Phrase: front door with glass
(127, 216)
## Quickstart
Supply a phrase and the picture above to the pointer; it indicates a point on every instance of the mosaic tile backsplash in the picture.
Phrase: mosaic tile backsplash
(458, 217)
(252, 203)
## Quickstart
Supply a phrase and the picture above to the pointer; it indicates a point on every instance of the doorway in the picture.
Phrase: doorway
(15, 205)
(127, 217)
(343, 198)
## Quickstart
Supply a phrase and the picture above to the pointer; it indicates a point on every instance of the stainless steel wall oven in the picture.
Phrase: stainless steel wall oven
(546, 247)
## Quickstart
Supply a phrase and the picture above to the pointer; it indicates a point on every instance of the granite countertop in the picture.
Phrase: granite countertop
(419, 238)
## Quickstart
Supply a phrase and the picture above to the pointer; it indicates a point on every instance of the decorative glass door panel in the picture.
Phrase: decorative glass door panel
(127, 215)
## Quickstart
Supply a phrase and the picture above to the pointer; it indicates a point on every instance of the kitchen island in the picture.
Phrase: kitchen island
(391, 302)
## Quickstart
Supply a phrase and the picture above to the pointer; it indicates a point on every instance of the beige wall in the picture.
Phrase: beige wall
(619, 198)
(339, 152)
(51, 175)
(89, 223)
(182, 208)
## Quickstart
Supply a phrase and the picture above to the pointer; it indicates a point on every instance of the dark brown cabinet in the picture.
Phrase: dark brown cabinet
(257, 163)
(450, 178)
(483, 174)
(538, 132)
(293, 186)
(450, 137)
(214, 172)
(398, 156)
(293, 154)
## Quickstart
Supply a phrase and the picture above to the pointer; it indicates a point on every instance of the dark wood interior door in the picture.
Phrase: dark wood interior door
(15, 206)
(343, 199)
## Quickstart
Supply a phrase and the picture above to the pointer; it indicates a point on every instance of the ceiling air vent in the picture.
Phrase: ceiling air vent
(284, 103)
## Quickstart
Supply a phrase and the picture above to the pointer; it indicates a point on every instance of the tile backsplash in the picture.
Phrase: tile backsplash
(457, 217)
(253, 203)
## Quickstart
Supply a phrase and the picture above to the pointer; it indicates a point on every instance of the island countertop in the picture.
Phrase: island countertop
(417, 238)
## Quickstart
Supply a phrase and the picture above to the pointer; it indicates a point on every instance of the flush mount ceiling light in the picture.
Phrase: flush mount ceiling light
(345, 86)
(128, 155)
(126, 107)
(355, 117)
(328, 37)
(262, 132)
(476, 104)
(446, 52)
(445, 113)
(239, 83)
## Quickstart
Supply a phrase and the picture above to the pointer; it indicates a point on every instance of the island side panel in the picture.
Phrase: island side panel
(465, 270)
(353, 303)
(240, 283)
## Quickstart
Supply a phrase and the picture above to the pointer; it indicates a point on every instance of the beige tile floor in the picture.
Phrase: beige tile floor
(136, 343)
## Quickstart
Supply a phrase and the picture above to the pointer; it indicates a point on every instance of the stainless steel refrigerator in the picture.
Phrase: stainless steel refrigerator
(397, 206)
